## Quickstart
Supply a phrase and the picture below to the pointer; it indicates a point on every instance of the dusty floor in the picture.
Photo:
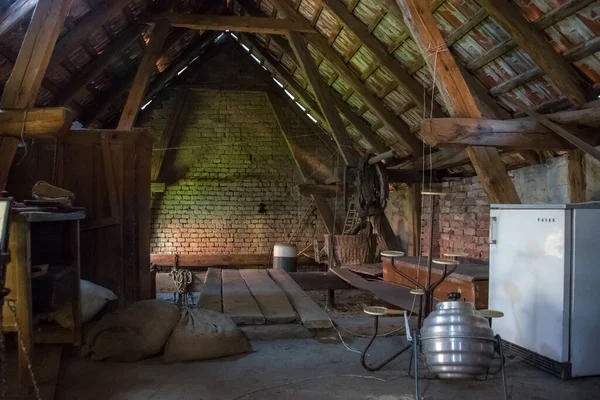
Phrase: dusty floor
(298, 369)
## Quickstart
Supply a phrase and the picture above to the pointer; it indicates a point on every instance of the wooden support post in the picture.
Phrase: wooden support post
(457, 96)
(324, 100)
(142, 78)
(576, 168)
(22, 87)
(532, 41)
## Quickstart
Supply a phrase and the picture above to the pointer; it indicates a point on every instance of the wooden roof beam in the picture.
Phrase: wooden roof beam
(273, 26)
(15, 13)
(399, 128)
(523, 133)
(323, 97)
(526, 36)
(23, 85)
(144, 73)
(36, 123)
(94, 68)
(343, 107)
(409, 84)
(457, 96)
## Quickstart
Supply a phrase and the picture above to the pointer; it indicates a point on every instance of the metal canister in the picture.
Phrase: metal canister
(285, 257)
(457, 341)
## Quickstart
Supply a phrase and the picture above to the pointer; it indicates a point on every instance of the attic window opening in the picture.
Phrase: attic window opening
(148, 103)
(278, 83)
(194, 59)
(291, 96)
(301, 106)
(312, 118)
(181, 71)
(245, 47)
(265, 68)
(235, 37)
(219, 37)
(255, 58)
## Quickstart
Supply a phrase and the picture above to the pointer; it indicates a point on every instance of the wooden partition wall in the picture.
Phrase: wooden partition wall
(109, 172)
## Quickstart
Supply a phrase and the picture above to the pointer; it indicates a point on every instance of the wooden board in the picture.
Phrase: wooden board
(210, 294)
(271, 299)
(390, 293)
(238, 302)
(311, 315)
(372, 270)
(221, 260)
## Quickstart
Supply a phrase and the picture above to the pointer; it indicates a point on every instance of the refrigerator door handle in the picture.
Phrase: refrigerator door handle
(493, 222)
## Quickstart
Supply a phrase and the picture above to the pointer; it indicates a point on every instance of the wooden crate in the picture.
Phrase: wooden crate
(109, 172)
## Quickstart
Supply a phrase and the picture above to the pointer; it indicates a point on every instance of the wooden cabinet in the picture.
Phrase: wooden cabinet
(38, 239)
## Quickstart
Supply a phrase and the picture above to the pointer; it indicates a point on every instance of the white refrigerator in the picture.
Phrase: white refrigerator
(545, 278)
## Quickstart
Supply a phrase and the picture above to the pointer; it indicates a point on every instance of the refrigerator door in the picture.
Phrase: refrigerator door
(530, 278)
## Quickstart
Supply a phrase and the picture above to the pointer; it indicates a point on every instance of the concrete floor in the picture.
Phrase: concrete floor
(298, 369)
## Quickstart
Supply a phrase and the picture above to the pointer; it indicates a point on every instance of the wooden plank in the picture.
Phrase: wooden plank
(523, 133)
(24, 83)
(269, 26)
(576, 167)
(374, 270)
(221, 260)
(210, 294)
(15, 13)
(270, 298)
(409, 84)
(175, 124)
(47, 369)
(95, 67)
(111, 187)
(142, 78)
(318, 281)
(311, 315)
(458, 99)
(36, 123)
(393, 294)
(323, 97)
(528, 38)
(238, 303)
(410, 176)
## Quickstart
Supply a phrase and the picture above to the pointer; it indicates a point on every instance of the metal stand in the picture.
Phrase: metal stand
(377, 367)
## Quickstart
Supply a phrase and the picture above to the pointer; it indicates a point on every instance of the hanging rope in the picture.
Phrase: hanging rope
(372, 188)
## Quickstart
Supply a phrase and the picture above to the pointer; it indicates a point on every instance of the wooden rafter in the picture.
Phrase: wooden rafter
(576, 168)
(13, 15)
(398, 127)
(142, 79)
(525, 34)
(323, 97)
(409, 84)
(457, 96)
(22, 87)
(272, 26)
(94, 68)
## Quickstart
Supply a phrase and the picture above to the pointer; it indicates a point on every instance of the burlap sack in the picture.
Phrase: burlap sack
(132, 333)
(202, 335)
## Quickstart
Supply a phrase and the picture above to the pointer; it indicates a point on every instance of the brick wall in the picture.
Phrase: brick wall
(232, 157)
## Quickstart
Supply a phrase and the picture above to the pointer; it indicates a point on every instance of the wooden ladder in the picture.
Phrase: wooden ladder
(351, 219)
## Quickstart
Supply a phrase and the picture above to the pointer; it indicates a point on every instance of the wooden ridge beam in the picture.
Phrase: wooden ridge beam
(523, 133)
(23, 85)
(98, 64)
(458, 99)
(527, 37)
(142, 78)
(323, 97)
(15, 13)
(36, 123)
(409, 84)
(271, 26)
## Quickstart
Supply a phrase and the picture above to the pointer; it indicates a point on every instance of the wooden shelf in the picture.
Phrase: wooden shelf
(50, 216)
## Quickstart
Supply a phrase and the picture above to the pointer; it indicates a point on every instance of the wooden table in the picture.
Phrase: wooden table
(470, 280)
(40, 238)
